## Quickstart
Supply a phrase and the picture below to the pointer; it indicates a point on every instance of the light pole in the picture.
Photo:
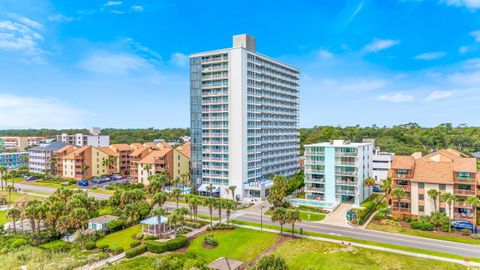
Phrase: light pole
(261, 218)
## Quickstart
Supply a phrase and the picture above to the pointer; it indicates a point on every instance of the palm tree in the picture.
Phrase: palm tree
(84, 168)
(148, 168)
(158, 212)
(210, 202)
(270, 262)
(159, 198)
(185, 177)
(398, 193)
(369, 182)
(473, 201)
(194, 202)
(53, 165)
(181, 213)
(10, 189)
(210, 189)
(14, 214)
(279, 215)
(31, 212)
(232, 191)
(449, 199)
(219, 205)
(433, 194)
(176, 194)
(25, 159)
(293, 216)
(387, 185)
(63, 224)
(4, 178)
(229, 206)
(173, 219)
(78, 218)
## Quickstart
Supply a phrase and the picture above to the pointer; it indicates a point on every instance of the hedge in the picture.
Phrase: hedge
(90, 245)
(170, 245)
(156, 247)
(117, 250)
(424, 226)
(136, 251)
(135, 244)
(149, 237)
(103, 247)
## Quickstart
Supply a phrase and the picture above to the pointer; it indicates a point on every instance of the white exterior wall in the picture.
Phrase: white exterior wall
(38, 161)
(97, 140)
(382, 162)
(414, 198)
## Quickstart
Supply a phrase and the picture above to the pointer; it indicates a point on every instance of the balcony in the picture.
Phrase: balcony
(314, 180)
(348, 173)
(462, 204)
(464, 180)
(315, 189)
(351, 183)
(345, 163)
(402, 176)
(314, 162)
(402, 210)
(463, 216)
(314, 171)
(346, 191)
(346, 154)
(405, 187)
(464, 192)
(314, 153)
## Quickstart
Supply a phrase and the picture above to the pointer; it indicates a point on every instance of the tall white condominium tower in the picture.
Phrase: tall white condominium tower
(244, 120)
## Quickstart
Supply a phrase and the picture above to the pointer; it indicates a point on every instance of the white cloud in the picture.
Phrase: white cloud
(396, 98)
(137, 8)
(113, 3)
(60, 18)
(179, 59)
(26, 21)
(31, 112)
(117, 12)
(476, 34)
(436, 95)
(430, 56)
(324, 54)
(16, 36)
(380, 44)
(470, 4)
(106, 63)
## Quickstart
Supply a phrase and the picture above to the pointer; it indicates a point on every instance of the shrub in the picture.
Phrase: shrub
(475, 236)
(115, 225)
(378, 216)
(117, 250)
(136, 251)
(155, 247)
(135, 244)
(184, 231)
(444, 228)
(109, 187)
(220, 227)
(210, 241)
(90, 245)
(139, 236)
(18, 243)
(193, 224)
(407, 219)
(176, 243)
(103, 247)
(56, 246)
(150, 237)
(465, 232)
(423, 226)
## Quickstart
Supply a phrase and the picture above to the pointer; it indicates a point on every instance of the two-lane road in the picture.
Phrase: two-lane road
(466, 250)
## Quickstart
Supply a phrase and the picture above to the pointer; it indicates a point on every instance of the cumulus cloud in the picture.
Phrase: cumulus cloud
(31, 112)
(137, 8)
(430, 56)
(470, 4)
(179, 59)
(436, 95)
(113, 3)
(107, 63)
(21, 35)
(396, 98)
(324, 54)
(380, 44)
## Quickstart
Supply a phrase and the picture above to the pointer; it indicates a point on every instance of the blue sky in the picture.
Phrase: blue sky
(124, 64)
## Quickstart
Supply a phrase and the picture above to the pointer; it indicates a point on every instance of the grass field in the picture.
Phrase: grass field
(398, 229)
(214, 217)
(241, 244)
(310, 254)
(121, 238)
(51, 183)
(307, 216)
(139, 263)
(3, 217)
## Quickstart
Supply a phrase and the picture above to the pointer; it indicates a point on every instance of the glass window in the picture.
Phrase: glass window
(442, 210)
(421, 208)
(421, 197)
(421, 185)
(442, 186)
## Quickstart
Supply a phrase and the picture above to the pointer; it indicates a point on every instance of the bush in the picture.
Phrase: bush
(150, 237)
(220, 227)
(135, 244)
(378, 216)
(176, 243)
(423, 226)
(195, 225)
(103, 247)
(117, 250)
(184, 231)
(56, 246)
(139, 236)
(445, 228)
(136, 251)
(18, 243)
(475, 236)
(155, 247)
(407, 219)
(115, 225)
(90, 245)
(210, 241)
(465, 232)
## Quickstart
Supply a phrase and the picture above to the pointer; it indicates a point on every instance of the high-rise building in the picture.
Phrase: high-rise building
(335, 171)
(244, 119)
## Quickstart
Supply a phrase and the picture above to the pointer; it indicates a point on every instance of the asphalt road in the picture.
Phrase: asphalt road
(466, 250)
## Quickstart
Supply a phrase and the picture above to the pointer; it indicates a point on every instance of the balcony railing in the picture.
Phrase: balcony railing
(345, 163)
(314, 153)
(318, 189)
(402, 210)
(464, 179)
(462, 216)
(466, 192)
(349, 173)
(314, 162)
(344, 191)
(463, 205)
(314, 180)
(405, 187)
(353, 183)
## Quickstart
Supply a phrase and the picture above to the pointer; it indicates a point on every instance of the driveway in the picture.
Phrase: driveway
(338, 217)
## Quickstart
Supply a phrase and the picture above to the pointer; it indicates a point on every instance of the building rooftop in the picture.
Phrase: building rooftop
(103, 219)
(121, 147)
(185, 149)
(54, 146)
(223, 263)
(150, 158)
(339, 143)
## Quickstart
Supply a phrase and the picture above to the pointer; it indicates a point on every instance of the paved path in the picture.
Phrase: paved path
(338, 216)
(466, 250)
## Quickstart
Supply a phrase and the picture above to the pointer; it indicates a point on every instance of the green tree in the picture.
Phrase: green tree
(176, 194)
(219, 206)
(229, 207)
(14, 214)
(3, 175)
(398, 194)
(10, 189)
(231, 190)
(159, 198)
(449, 199)
(433, 194)
(278, 191)
(148, 168)
(271, 262)
(369, 182)
(210, 203)
(279, 215)
(293, 216)
(79, 218)
(84, 169)
(52, 162)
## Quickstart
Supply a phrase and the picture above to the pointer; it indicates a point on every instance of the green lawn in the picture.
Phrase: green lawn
(214, 217)
(304, 215)
(310, 254)
(16, 180)
(408, 231)
(241, 244)
(51, 183)
(3, 217)
(122, 238)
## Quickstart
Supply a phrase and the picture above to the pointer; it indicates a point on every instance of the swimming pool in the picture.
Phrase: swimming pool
(314, 203)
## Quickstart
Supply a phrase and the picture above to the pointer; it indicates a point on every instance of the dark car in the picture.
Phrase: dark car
(31, 178)
(463, 224)
(376, 189)
(83, 183)
(116, 177)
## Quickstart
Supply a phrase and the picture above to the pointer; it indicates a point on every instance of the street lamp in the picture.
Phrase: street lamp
(261, 218)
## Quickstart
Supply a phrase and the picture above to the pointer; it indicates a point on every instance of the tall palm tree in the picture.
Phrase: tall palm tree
(293, 216)
(449, 199)
(185, 177)
(31, 212)
(387, 185)
(181, 213)
(63, 224)
(433, 194)
(398, 193)
(52, 161)
(369, 182)
(84, 168)
(25, 159)
(210, 202)
(4, 178)
(176, 194)
(219, 205)
(229, 206)
(14, 214)
(10, 189)
(78, 218)
(232, 191)
(194, 202)
(210, 189)
(158, 212)
(279, 215)
(159, 198)
(148, 168)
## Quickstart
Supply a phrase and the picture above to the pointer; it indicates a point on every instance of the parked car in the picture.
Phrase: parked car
(376, 189)
(116, 177)
(83, 183)
(31, 178)
(463, 224)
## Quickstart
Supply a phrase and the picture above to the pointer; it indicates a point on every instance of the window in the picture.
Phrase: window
(402, 171)
(421, 185)
(442, 186)
(442, 210)
(421, 208)
(421, 197)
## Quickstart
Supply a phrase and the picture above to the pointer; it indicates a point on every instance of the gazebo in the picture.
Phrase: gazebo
(156, 225)
(223, 263)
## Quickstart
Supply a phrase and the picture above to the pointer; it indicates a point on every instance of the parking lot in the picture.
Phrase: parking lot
(101, 182)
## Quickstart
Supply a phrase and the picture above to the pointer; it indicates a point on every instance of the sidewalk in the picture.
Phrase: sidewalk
(419, 255)
(338, 216)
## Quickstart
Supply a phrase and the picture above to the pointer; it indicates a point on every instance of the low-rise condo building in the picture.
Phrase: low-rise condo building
(335, 171)
(124, 151)
(14, 160)
(39, 158)
(159, 160)
(19, 143)
(181, 160)
(94, 138)
(445, 171)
